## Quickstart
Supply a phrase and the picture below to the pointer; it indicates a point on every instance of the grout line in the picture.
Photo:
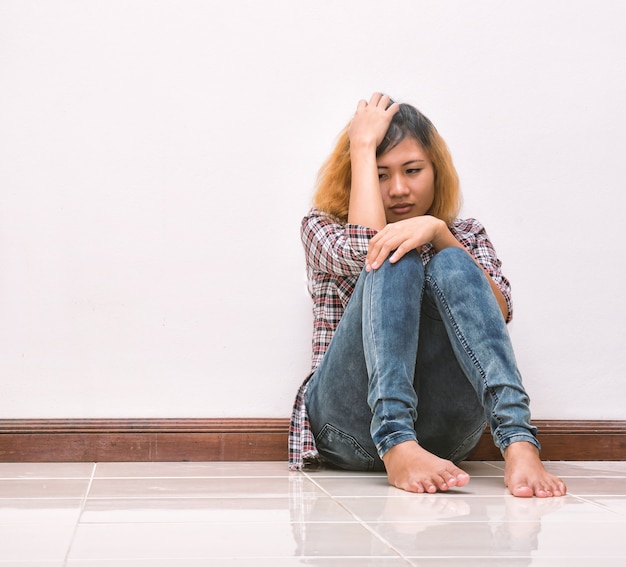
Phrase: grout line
(600, 506)
(359, 521)
(80, 514)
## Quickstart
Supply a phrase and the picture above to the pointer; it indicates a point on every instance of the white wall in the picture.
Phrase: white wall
(156, 158)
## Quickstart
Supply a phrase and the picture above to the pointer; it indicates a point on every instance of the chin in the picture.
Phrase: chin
(396, 218)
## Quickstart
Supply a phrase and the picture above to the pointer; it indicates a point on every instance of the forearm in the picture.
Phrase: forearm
(366, 205)
(366, 131)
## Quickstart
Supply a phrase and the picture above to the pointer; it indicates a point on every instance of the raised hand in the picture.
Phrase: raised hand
(371, 121)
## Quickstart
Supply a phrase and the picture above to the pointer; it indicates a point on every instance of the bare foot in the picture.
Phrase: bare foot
(525, 475)
(412, 468)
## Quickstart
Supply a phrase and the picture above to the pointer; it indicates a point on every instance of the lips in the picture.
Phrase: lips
(402, 208)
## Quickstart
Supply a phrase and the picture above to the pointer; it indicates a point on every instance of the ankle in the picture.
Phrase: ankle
(401, 449)
(521, 449)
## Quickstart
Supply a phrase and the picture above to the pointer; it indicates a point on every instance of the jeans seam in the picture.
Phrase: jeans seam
(372, 334)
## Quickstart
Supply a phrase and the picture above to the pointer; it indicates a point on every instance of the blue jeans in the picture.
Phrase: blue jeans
(421, 353)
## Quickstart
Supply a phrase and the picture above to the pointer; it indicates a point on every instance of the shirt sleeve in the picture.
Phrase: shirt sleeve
(332, 247)
(473, 236)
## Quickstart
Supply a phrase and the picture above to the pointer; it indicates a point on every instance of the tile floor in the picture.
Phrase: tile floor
(259, 514)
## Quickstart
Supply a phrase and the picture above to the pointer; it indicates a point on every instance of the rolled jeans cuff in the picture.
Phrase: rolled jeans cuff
(515, 438)
(394, 439)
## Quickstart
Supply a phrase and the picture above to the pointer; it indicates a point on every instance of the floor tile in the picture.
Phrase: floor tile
(214, 540)
(43, 488)
(424, 507)
(39, 510)
(251, 562)
(599, 540)
(196, 487)
(594, 469)
(614, 504)
(45, 470)
(186, 470)
(454, 508)
(505, 539)
(35, 542)
(192, 514)
(336, 473)
(512, 561)
(223, 510)
(585, 486)
(34, 563)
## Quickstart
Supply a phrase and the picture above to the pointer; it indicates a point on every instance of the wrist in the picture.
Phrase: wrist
(442, 238)
(362, 148)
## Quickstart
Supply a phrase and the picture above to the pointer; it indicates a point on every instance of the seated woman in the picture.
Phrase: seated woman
(411, 354)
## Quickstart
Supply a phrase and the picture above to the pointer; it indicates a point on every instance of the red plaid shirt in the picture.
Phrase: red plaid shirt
(335, 256)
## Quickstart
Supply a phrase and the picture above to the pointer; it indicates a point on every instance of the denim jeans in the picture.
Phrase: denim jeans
(421, 353)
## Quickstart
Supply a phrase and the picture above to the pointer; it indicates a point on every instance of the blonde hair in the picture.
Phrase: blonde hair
(332, 194)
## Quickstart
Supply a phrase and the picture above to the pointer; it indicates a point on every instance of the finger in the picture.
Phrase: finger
(375, 99)
(386, 238)
(393, 109)
(374, 248)
(379, 255)
(389, 105)
(400, 252)
(385, 101)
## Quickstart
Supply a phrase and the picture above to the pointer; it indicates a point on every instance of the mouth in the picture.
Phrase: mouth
(401, 208)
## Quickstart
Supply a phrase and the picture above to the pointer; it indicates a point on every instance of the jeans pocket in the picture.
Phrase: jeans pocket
(342, 450)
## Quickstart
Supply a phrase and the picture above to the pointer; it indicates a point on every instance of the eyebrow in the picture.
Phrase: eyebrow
(405, 163)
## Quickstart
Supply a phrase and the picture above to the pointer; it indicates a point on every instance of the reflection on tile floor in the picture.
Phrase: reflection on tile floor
(260, 514)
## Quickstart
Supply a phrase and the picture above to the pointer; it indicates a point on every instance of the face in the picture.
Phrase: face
(407, 181)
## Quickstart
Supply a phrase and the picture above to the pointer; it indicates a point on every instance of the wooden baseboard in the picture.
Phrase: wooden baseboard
(109, 440)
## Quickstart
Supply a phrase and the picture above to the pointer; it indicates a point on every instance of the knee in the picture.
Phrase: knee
(404, 278)
(454, 269)
(454, 266)
(410, 266)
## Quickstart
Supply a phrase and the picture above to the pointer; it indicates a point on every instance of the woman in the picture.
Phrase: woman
(411, 355)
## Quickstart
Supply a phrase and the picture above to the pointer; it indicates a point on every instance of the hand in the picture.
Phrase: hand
(406, 235)
(371, 121)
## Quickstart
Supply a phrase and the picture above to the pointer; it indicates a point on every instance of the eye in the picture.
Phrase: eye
(413, 170)
(382, 176)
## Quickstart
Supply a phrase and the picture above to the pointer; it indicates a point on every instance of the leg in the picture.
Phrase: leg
(482, 346)
(362, 401)
(391, 317)
(336, 396)
(367, 373)
(450, 418)
(361, 398)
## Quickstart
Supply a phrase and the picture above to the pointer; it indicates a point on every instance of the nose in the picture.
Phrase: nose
(398, 186)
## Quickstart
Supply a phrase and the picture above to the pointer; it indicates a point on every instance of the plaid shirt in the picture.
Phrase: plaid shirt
(335, 257)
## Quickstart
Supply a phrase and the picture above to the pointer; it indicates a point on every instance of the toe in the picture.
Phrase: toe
(522, 491)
